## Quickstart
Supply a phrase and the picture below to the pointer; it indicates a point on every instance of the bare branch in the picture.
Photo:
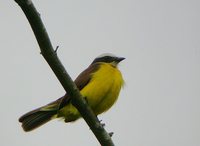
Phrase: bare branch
(52, 59)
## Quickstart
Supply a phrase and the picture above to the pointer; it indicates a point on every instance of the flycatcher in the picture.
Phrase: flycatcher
(100, 84)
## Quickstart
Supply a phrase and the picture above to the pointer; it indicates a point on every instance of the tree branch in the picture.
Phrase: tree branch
(52, 59)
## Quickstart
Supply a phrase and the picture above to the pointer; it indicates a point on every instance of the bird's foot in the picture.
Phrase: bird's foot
(86, 100)
(102, 124)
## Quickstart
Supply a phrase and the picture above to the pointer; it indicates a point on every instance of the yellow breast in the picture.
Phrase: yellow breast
(103, 89)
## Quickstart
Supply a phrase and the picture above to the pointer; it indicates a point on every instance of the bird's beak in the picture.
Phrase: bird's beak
(119, 59)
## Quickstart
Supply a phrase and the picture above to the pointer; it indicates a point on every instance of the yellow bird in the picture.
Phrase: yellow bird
(100, 84)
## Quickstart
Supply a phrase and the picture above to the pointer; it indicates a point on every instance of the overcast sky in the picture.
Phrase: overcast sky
(160, 39)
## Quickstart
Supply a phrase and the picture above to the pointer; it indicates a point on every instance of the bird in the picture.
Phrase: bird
(100, 84)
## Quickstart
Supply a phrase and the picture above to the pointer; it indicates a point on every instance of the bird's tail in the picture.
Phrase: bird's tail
(37, 117)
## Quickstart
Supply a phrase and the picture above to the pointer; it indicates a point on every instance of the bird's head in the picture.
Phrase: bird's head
(108, 58)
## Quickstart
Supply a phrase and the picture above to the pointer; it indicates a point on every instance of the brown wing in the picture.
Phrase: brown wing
(81, 81)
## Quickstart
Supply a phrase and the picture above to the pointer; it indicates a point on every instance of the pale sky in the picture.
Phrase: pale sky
(160, 39)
